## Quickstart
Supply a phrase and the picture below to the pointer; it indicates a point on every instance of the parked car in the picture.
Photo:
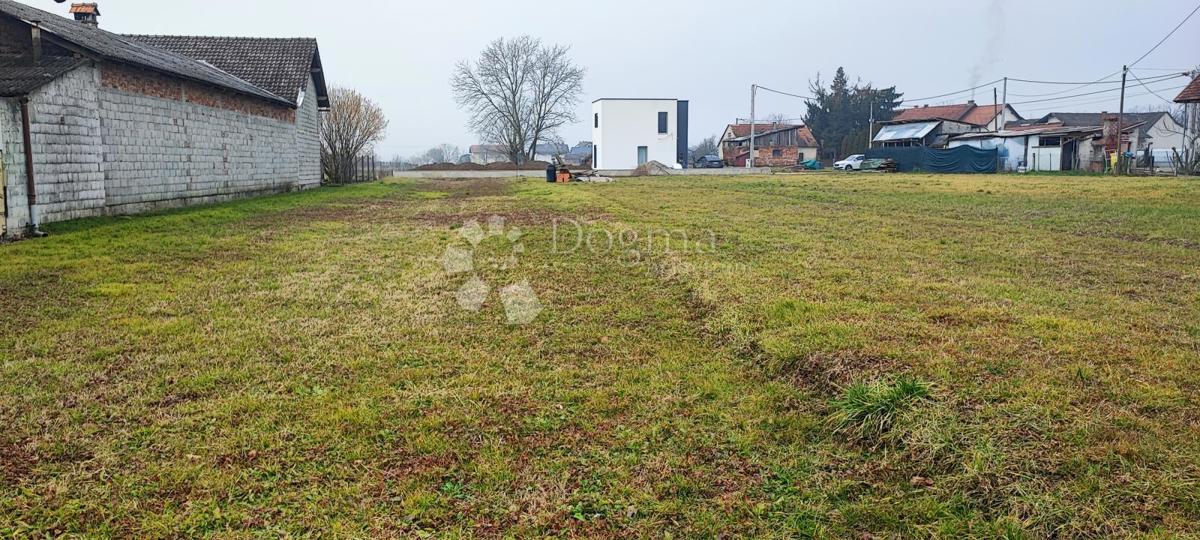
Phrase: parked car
(852, 163)
(709, 161)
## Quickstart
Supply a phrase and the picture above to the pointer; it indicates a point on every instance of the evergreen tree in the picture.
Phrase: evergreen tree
(839, 116)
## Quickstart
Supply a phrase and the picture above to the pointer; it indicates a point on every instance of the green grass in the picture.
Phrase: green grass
(845, 355)
(867, 410)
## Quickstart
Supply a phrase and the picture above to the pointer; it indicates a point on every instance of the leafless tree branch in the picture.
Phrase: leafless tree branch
(351, 128)
(518, 93)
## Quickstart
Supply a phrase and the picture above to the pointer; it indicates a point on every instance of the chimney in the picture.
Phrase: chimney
(971, 102)
(88, 14)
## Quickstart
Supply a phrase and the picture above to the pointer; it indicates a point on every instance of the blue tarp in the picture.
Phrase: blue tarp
(963, 159)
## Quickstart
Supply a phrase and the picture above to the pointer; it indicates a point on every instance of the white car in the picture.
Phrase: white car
(852, 163)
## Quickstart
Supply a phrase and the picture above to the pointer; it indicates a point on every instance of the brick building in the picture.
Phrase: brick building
(775, 145)
(95, 123)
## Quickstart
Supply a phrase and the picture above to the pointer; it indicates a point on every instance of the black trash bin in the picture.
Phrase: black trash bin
(551, 173)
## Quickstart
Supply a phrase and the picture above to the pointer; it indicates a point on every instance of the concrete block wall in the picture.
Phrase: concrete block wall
(308, 138)
(110, 142)
(12, 166)
(65, 134)
(161, 152)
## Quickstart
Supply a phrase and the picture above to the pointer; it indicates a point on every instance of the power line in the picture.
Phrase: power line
(1101, 80)
(954, 93)
(1068, 97)
(1095, 101)
(798, 96)
(1168, 36)
(1139, 80)
(1155, 79)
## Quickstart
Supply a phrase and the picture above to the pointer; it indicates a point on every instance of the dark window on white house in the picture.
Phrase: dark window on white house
(597, 119)
(662, 122)
(1049, 141)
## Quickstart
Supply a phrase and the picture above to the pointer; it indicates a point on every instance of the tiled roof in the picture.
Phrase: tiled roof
(982, 115)
(279, 65)
(113, 47)
(20, 76)
(954, 113)
(1190, 94)
(804, 135)
(1097, 119)
(743, 130)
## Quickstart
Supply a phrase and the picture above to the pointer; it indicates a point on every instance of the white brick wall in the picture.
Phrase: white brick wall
(99, 151)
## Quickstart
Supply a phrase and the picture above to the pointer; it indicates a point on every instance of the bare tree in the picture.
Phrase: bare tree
(776, 118)
(518, 93)
(350, 129)
(704, 148)
(445, 153)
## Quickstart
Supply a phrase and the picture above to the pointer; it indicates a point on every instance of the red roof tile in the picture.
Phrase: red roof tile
(1191, 94)
(743, 130)
(937, 112)
(982, 116)
(804, 135)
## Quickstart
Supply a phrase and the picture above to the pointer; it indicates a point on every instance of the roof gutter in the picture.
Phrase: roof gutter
(30, 180)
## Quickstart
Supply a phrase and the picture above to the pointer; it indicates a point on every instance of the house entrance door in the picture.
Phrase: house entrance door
(643, 155)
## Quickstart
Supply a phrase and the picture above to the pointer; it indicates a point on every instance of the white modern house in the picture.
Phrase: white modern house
(629, 132)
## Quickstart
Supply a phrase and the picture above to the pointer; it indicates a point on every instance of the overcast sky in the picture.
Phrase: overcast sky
(400, 53)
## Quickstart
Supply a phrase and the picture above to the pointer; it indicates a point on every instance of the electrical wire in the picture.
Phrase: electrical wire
(798, 96)
(1071, 96)
(1155, 79)
(1051, 108)
(1168, 36)
(1139, 80)
(953, 93)
(1097, 81)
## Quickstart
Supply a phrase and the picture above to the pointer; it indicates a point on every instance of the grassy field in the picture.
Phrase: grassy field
(841, 355)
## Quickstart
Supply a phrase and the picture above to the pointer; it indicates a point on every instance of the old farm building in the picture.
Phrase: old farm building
(95, 123)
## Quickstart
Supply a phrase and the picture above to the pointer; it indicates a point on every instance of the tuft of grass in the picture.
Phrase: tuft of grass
(867, 410)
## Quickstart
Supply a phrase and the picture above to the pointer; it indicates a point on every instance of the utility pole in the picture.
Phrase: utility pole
(753, 96)
(996, 105)
(1190, 125)
(1004, 111)
(870, 129)
(1121, 120)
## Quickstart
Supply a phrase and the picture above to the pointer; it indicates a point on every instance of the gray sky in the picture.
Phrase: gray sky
(400, 53)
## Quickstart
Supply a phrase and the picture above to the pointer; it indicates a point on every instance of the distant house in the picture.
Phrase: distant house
(933, 126)
(982, 117)
(1190, 97)
(1155, 129)
(775, 145)
(1049, 144)
(1191, 93)
(548, 151)
(115, 124)
(629, 132)
(579, 154)
(483, 154)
